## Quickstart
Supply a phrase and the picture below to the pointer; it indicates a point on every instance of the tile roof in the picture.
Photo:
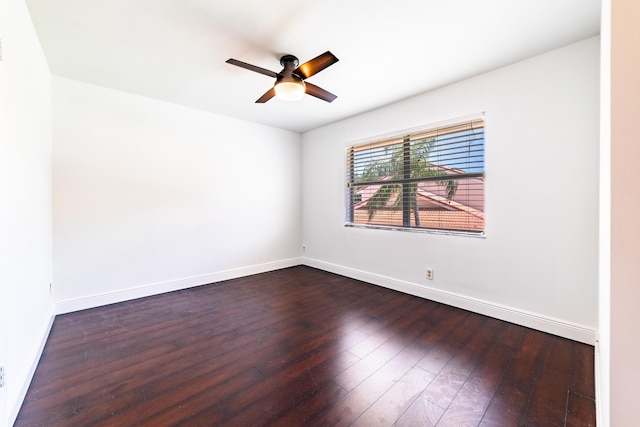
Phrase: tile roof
(463, 212)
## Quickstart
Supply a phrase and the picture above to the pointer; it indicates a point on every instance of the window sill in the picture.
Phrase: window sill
(475, 234)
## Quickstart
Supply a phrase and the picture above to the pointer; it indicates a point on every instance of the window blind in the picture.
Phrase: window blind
(429, 179)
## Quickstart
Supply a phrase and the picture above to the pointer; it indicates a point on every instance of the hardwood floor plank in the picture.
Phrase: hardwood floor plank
(526, 359)
(446, 385)
(421, 413)
(170, 409)
(451, 318)
(321, 366)
(372, 388)
(366, 366)
(392, 404)
(511, 335)
(281, 393)
(204, 408)
(444, 350)
(300, 346)
(311, 340)
(386, 328)
(312, 405)
(506, 408)
(582, 374)
(470, 403)
(548, 402)
(215, 381)
(581, 411)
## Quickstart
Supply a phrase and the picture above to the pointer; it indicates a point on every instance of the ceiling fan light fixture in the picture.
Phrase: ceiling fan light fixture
(290, 89)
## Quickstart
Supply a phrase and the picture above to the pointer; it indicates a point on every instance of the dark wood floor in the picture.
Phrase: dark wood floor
(302, 347)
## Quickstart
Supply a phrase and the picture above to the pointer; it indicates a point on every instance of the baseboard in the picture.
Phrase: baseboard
(531, 320)
(35, 359)
(76, 304)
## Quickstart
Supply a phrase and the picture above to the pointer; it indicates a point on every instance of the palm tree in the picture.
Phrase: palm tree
(408, 160)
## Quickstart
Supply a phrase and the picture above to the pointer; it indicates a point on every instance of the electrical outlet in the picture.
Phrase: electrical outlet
(1, 377)
(304, 248)
(430, 273)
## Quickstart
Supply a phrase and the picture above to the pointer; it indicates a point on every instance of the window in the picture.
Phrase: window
(431, 179)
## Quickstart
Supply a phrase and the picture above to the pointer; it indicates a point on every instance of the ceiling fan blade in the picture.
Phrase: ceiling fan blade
(251, 67)
(267, 96)
(318, 92)
(316, 65)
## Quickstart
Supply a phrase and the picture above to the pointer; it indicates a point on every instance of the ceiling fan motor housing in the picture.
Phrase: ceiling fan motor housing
(289, 59)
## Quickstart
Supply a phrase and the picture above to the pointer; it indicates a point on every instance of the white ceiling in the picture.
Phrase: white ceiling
(175, 50)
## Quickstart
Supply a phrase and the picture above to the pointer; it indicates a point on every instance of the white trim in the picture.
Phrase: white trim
(91, 301)
(35, 359)
(600, 416)
(543, 323)
(478, 235)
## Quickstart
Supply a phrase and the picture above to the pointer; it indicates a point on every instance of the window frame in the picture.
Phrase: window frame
(435, 133)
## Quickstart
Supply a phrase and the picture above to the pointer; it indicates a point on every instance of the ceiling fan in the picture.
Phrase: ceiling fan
(290, 83)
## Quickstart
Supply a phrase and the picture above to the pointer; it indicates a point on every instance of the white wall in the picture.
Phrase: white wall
(624, 296)
(538, 263)
(603, 346)
(26, 308)
(150, 196)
